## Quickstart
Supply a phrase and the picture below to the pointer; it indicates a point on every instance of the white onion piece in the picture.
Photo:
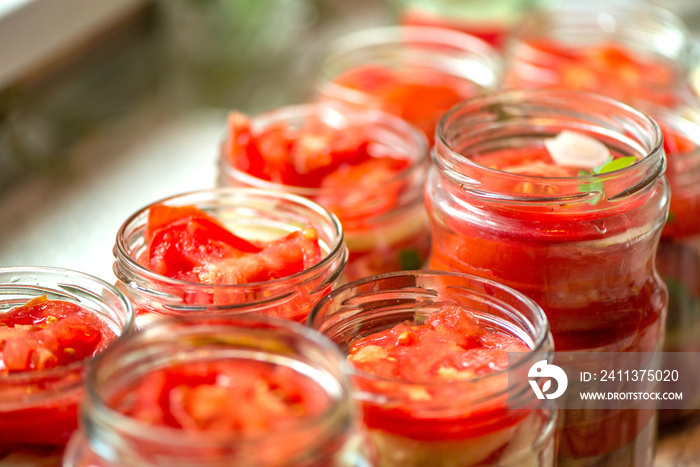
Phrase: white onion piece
(572, 149)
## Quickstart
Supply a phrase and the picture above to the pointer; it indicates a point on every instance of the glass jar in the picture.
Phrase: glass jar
(629, 52)
(465, 420)
(253, 215)
(416, 73)
(678, 257)
(240, 390)
(489, 21)
(384, 220)
(583, 247)
(38, 409)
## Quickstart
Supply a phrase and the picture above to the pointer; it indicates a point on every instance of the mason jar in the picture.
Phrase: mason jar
(489, 21)
(580, 242)
(457, 414)
(414, 72)
(217, 391)
(38, 408)
(382, 213)
(254, 215)
(630, 51)
(678, 257)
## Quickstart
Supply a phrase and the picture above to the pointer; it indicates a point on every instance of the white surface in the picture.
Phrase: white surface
(33, 32)
(71, 220)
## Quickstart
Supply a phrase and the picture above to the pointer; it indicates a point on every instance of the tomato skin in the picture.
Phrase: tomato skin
(366, 167)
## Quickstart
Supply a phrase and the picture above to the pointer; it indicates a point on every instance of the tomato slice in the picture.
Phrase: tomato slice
(43, 334)
(242, 396)
(356, 188)
(189, 245)
(450, 347)
(284, 257)
(443, 348)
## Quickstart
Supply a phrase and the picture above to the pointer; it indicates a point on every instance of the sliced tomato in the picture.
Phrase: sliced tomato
(48, 333)
(450, 346)
(289, 255)
(241, 396)
(186, 237)
(196, 248)
(356, 186)
(241, 148)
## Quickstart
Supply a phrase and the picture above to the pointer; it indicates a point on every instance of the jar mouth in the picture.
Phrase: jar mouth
(225, 197)
(440, 49)
(20, 284)
(511, 119)
(387, 130)
(212, 338)
(413, 290)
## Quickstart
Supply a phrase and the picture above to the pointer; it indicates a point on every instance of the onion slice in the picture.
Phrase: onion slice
(572, 149)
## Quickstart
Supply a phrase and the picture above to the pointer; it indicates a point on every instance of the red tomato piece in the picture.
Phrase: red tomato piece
(45, 334)
(419, 96)
(196, 248)
(450, 343)
(240, 396)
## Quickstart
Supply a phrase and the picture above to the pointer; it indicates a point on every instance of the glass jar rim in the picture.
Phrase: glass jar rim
(122, 253)
(68, 290)
(172, 331)
(418, 157)
(541, 344)
(652, 163)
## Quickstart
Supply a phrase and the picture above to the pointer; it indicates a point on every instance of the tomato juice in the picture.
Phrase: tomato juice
(430, 356)
(366, 167)
(229, 250)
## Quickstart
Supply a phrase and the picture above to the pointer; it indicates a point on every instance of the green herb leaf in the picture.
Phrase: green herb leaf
(598, 168)
(617, 164)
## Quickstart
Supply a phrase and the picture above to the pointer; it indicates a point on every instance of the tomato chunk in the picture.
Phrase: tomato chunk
(187, 244)
(241, 396)
(44, 334)
(449, 346)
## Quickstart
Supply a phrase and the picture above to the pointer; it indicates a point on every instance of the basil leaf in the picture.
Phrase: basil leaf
(617, 164)
(598, 168)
